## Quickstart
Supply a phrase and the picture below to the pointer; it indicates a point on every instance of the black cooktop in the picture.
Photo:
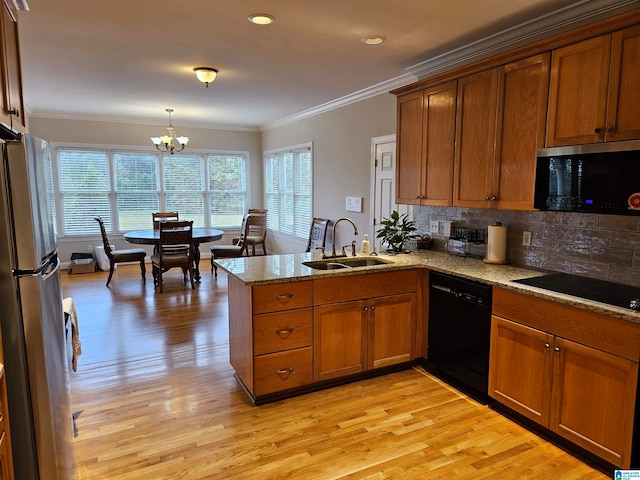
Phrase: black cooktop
(597, 290)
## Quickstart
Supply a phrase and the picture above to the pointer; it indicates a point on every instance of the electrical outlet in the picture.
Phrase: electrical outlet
(433, 226)
(526, 239)
(446, 229)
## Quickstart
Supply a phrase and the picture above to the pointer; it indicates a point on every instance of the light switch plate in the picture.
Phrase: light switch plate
(354, 204)
(433, 226)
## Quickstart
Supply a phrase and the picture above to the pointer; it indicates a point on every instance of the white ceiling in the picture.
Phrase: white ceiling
(128, 60)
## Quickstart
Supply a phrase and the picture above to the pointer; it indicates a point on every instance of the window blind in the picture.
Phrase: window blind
(124, 187)
(288, 190)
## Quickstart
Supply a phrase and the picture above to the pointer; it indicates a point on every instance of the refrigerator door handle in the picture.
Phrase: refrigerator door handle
(51, 266)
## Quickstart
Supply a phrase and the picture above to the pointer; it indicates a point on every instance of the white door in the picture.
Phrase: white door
(383, 151)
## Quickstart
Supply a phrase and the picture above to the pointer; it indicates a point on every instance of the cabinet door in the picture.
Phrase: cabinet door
(522, 115)
(593, 400)
(623, 121)
(409, 149)
(578, 92)
(475, 139)
(339, 339)
(391, 330)
(520, 368)
(13, 111)
(439, 123)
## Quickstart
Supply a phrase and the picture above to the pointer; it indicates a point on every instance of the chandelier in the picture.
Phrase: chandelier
(169, 142)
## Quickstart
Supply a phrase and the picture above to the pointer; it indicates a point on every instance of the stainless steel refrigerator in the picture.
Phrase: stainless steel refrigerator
(31, 316)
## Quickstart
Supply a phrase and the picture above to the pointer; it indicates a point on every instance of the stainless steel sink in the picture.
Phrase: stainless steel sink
(338, 263)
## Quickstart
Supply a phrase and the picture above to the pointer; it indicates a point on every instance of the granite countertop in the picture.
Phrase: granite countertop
(261, 270)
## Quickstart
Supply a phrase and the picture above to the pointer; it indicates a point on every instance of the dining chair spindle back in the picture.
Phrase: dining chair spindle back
(175, 249)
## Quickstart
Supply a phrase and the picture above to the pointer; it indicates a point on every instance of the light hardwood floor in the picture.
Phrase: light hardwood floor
(156, 399)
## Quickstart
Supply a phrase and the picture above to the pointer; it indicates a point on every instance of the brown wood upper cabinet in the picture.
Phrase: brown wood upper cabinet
(12, 112)
(426, 140)
(594, 90)
(500, 125)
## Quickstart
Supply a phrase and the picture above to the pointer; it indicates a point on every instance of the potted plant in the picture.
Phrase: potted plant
(395, 230)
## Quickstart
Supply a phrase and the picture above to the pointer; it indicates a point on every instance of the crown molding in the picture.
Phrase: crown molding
(140, 121)
(572, 16)
(355, 97)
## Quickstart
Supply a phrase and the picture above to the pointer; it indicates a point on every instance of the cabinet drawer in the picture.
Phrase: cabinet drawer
(604, 332)
(282, 296)
(283, 370)
(274, 332)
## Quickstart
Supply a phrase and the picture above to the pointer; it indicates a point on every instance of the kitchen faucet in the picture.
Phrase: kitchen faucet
(333, 236)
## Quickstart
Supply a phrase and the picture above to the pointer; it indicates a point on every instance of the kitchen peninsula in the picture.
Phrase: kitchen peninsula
(294, 329)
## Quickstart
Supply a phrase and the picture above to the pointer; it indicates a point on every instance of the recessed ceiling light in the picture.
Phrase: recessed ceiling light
(261, 18)
(374, 39)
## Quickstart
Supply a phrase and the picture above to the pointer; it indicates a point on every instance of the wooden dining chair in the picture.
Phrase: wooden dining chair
(121, 256)
(318, 234)
(257, 233)
(237, 249)
(175, 249)
(159, 217)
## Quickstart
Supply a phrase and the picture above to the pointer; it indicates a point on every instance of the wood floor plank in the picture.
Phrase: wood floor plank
(157, 399)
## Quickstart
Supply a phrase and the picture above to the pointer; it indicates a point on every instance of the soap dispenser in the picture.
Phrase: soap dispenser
(365, 248)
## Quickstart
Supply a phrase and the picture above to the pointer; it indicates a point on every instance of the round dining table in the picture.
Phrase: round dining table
(199, 235)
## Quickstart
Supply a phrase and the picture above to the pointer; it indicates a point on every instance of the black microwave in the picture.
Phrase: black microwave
(596, 178)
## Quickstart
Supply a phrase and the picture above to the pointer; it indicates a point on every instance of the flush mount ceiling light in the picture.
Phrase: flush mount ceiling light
(374, 39)
(167, 143)
(261, 18)
(206, 75)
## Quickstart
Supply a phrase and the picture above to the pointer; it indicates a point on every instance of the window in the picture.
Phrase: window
(125, 187)
(288, 187)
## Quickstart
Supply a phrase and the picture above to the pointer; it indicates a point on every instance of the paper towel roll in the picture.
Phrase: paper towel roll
(497, 244)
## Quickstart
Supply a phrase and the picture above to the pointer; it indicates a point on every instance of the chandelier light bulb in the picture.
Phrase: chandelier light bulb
(169, 143)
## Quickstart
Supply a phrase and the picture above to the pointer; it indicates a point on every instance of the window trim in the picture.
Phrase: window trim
(281, 150)
(110, 150)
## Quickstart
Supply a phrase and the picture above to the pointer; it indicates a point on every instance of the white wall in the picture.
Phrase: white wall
(342, 161)
(342, 154)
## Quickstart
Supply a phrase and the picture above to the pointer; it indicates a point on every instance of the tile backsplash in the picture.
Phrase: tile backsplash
(599, 246)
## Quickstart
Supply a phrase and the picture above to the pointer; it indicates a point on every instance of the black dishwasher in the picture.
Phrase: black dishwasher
(459, 331)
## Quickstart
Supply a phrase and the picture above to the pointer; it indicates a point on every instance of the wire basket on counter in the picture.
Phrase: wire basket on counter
(467, 242)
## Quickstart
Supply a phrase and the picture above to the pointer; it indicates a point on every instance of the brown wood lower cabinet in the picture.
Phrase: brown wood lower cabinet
(285, 337)
(574, 387)
(352, 337)
(360, 328)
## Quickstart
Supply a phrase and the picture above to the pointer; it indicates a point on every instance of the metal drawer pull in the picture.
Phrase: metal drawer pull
(284, 331)
(547, 346)
(284, 296)
(284, 371)
(556, 349)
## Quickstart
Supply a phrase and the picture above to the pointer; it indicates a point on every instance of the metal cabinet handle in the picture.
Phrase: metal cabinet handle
(547, 346)
(556, 350)
(15, 112)
(282, 372)
(487, 198)
(366, 309)
(284, 296)
(373, 307)
(597, 130)
(284, 331)
(493, 198)
(611, 129)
